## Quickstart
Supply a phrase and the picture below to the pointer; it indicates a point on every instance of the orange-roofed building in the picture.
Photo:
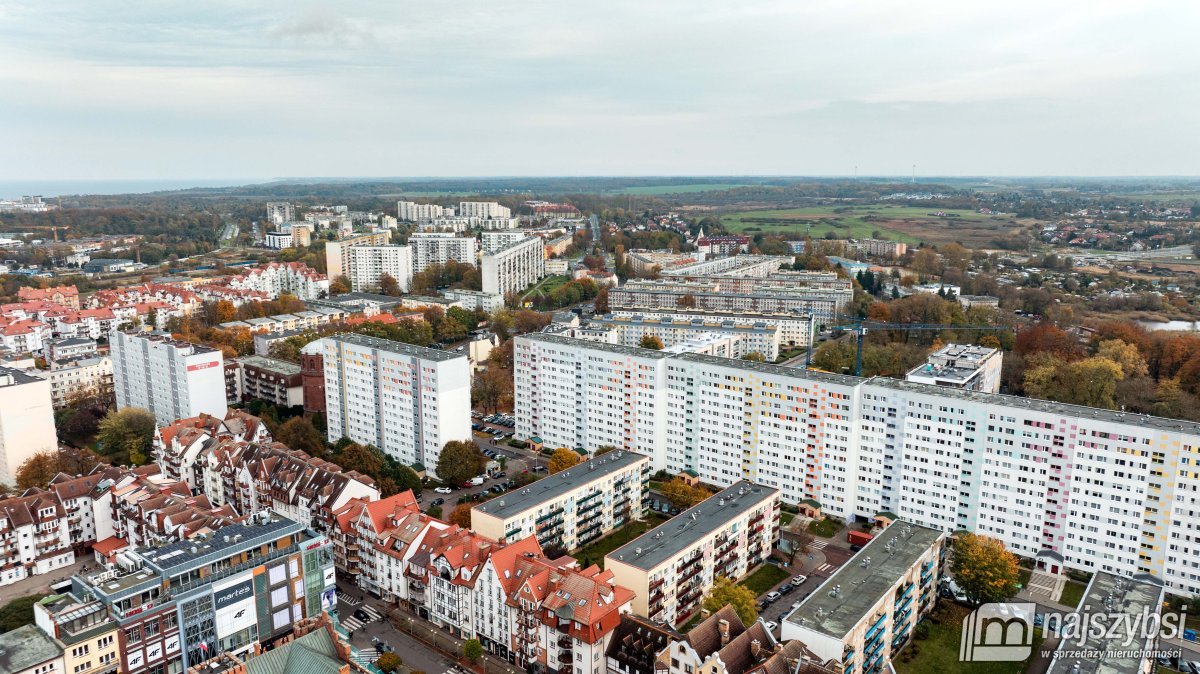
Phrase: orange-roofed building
(68, 296)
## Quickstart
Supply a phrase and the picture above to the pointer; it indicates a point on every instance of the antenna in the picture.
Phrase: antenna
(914, 175)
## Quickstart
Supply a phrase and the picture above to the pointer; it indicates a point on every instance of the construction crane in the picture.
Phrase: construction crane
(860, 329)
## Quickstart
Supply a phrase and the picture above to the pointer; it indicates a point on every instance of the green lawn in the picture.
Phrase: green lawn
(546, 286)
(825, 528)
(786, 519)
(1072, 593)
(594, 553)
(939, 652)
(766, 577)
(844, 222)
(688, 188)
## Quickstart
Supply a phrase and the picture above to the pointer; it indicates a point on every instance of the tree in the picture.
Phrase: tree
(650, 341)
(1091, 382)
(1125, 355)
(686, 302)
(362, 458)
(492, 388)
(461, 515)
(683, 495)
(562, 459)
(956, 256)
(388, 662)
(755, 357)
(38, 470)
(601, 301)
(388, 285)
(459, 461)
(339, 285)
(927, 262)
(604, 449)
(472, 650)
(984, 570)
(17, 612)
(299, 433)
(127, 435)
(406, 478)
(224, 311)
(725, 592)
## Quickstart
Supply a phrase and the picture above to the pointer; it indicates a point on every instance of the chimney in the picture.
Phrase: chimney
(755, 648)
(723, 630)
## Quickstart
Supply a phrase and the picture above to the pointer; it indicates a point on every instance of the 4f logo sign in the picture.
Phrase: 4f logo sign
(999, 632)
(239, 614)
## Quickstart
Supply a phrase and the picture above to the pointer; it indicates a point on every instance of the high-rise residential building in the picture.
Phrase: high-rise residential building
(410, 211)
(337, 253)
(171, 378)
(430, 248)
(513, 268)
(965, 366)
(368, 265)
(761, 338)
(1064, 484)
(824, 304)
(279, 212)
(26, 420)
(867, 609)
(670, 567)
(795, 329)
(571, 508)
(741, 266)
(483, 209)
(407, 400)
(496, 240)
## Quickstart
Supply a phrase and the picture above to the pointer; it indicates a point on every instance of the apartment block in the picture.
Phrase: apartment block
(36, 534)
(279, 212)
(761, 338)
(867, 609)
(407, 400)
(410, 211)
(172, 379)
(1124, 648)
(27, 650)
(257, 378)
(483, 209)
(337, 253)
(571, 508)
(493, 241)
(475, 300)
(430, 248)
(965, 366)
(80, 377)
(26, 420)
(745, 266)
(83, 630)
(879, 247)
(670, 567)
(368, 265)
(178, 604)
(276, 278)
(825, 305)
(513, 268)
(795, 329)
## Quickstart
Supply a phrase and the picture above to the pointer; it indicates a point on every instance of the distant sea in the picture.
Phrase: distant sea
(14, 189)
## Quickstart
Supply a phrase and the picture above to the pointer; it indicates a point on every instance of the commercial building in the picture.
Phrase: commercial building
(761, 338)
(407, 400)
(179, 603)
(83, 630)
(430, 248)
(337, 253)
(867, 609)
(670, 567)
(795, 329)
(965, 366)
(368, 265)
(513, 268)
(172, 379)
(26, 420)
(571, 508)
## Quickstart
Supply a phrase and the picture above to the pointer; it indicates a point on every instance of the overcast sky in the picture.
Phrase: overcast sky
(210, 89)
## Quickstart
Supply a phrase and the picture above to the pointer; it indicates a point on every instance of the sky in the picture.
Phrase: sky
(97, 89)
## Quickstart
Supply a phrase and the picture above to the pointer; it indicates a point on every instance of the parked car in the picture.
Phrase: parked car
(773, 596)
(501, 474)
(362, 615)
(799, 580)
(443, 490)
(786, 588)
(771, 625)
(437, 501)
(539, 469)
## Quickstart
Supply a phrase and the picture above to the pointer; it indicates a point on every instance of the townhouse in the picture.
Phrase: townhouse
(571, 508)
(670, 567)
(1073, 487)
(83, 630)
(35, 536)
(867, 609)
(723, 644)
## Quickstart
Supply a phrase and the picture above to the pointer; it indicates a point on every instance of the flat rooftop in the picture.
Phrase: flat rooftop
(1113, 594)
(13, 377)
(553, 487)
(282, 367)
(397, 347)
(678, 533)
(844, 599)
(178, 556)
(551, 338)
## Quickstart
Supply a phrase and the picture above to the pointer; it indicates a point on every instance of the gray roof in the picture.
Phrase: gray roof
(178, 556)
(892, 553)
(678, 533)
(397, 347)
(554, 486)
(73, 341)
(25, 648)
(551, 338)
(1110, 594)
(18, 377)
(282, 367)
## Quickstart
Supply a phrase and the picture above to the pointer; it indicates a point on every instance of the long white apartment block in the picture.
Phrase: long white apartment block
(795, 329)
(430, 248)
(483, 209)
(368, 264)
(410, 211)
(740, 265)
(1079, 487)
(761, 338)
(824, 304)
(496, 240)
(171, 378)
(337, 253)
(407, 400)
(513, 268)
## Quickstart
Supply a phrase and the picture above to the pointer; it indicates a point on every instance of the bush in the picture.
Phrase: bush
(1081, 576)
(388, 662)
(921, 631)
(519, 444)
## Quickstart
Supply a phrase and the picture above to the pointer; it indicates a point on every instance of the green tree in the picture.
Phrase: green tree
(365, 459)
(126, 436)
(1125, 355)
(472, 650)
(459, 461)
(984, 569)
(299, 433)
(38, 470)
(725, 592)
(406, 478)
(388, 662)
(562, 459)
(754, 356)
(339, 285)
(649, 341)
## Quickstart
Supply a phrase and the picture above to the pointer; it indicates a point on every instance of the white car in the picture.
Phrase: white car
(771, 625)
(443, 490)
(799, 580)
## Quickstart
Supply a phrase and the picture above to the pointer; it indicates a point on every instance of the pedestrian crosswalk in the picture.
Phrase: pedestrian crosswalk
(353, 622)
(824, 568)
(818, 544)
(366, 656)
(347, 598)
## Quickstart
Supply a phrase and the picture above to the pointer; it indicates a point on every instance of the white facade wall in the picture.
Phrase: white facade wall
(430, 248)
(26, 420)
(483, 209)
(368, 264)
(513, 268)
(172, 379)
(410, 211)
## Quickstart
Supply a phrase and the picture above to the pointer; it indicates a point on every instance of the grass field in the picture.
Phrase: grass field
(679, 189)
(825, 528)
(909, 224)
(939, 652)
(1072, 593)
(766, 577)
(595, 552)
